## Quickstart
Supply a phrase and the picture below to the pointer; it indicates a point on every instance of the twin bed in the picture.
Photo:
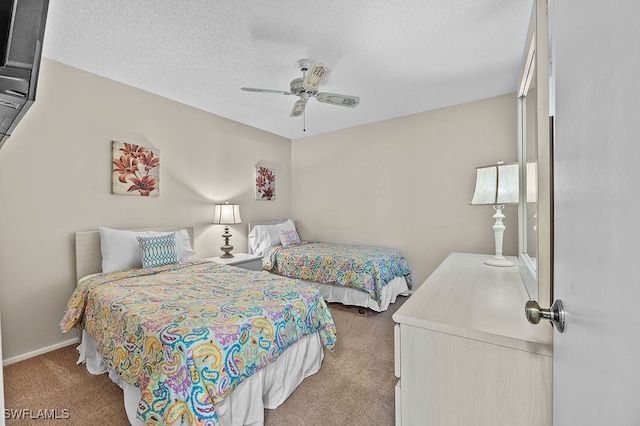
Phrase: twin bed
(194, 342)
(367, 276)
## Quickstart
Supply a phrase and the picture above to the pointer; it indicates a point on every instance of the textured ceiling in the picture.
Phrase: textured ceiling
(400, 57)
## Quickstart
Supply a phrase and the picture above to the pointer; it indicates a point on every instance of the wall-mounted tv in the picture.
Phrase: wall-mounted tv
(22, 24)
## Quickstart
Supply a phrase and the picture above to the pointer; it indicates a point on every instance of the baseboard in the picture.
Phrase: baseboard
(40, 351)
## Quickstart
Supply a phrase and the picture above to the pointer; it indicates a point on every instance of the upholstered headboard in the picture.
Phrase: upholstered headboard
(88, 256)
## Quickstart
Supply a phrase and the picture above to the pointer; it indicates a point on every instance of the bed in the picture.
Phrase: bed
(192, 342)
(361, 275)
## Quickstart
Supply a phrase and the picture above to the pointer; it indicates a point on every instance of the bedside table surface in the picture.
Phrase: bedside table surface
(236, 259)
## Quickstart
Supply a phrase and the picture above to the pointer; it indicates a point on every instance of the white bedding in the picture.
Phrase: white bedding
(349, 296)
(268, 388)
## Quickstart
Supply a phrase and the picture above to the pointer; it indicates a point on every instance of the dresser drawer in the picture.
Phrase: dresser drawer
(398, 403)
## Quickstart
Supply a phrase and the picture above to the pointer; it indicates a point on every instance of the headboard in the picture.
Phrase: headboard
(89, 257)
(268, 222)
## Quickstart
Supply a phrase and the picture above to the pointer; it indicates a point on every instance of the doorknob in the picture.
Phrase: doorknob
(555, 313)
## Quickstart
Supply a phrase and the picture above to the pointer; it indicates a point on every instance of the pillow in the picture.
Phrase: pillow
(262, 237)
(287, 226)
(183, 246)
(121, 250)
(288, 237)
(158, 250)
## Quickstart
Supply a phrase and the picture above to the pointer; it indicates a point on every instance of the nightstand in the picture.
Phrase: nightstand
(251, 262)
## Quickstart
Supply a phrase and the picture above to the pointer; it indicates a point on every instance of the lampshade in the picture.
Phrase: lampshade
(226, 214)
(497, 184)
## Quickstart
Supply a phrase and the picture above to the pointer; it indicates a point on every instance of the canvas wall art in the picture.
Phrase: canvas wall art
(136, 170)
(265, 183)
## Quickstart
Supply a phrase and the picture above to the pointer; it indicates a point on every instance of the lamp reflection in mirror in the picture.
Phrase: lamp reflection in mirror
(226, 214)
(497, 185)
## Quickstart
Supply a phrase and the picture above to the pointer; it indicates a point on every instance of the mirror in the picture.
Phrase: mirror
(527, 112)
(534, 154)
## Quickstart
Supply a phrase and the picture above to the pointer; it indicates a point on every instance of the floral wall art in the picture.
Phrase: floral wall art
(136, 170)
(265, 184)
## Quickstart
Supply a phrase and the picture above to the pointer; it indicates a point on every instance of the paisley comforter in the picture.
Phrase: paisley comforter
(364, 268)
(188, 335)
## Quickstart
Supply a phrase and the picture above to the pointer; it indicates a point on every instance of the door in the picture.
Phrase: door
(596, 65)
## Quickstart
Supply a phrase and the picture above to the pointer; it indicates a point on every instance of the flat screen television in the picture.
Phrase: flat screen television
(22, 24)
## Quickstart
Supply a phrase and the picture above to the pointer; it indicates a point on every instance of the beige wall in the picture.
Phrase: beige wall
(55, 179)
(404, 183)
(407, 182)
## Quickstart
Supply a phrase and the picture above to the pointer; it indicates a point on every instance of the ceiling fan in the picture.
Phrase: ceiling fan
(313, 73)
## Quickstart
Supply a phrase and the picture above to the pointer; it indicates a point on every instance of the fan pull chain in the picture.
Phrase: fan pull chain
(304, 121)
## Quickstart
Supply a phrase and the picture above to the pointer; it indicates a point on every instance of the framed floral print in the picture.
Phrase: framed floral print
(136, 170)
(265, 184)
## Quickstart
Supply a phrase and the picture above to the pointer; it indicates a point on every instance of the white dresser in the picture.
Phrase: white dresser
(465, 353)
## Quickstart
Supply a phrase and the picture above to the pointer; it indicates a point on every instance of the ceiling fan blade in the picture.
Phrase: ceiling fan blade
(335, 99)
(316, 73)
(253, 89)
(298, 108)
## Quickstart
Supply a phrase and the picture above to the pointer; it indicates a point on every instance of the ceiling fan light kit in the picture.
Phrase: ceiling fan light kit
(298, 108)
(313, 74)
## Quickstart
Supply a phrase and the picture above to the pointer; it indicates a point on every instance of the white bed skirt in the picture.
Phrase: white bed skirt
(349, 296)
(268, 388)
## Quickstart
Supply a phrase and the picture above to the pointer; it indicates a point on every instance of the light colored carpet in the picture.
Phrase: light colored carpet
(355, 385)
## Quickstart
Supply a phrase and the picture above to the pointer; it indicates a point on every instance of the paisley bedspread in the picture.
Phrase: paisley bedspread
(187, 335)
(365, 268)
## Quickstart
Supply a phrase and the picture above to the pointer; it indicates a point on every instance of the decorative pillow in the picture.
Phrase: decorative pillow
(183, 245)
(158, 251)
(288, 237)
(121, 250)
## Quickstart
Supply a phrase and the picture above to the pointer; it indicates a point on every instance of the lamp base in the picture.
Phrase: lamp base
(498, 230)
(496, 261)
(226, 248)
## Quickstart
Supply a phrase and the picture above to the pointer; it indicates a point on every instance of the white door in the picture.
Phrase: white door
(595, 48)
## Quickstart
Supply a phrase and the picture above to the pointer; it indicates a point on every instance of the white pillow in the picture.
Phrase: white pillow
(287, 226)
(262, 237)
(183, 246)
(120, 249)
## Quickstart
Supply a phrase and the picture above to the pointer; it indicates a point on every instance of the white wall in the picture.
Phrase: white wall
(55, 179)
(407, 183)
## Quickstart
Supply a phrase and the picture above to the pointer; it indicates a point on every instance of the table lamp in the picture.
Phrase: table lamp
(226, 214)
(497, 185)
